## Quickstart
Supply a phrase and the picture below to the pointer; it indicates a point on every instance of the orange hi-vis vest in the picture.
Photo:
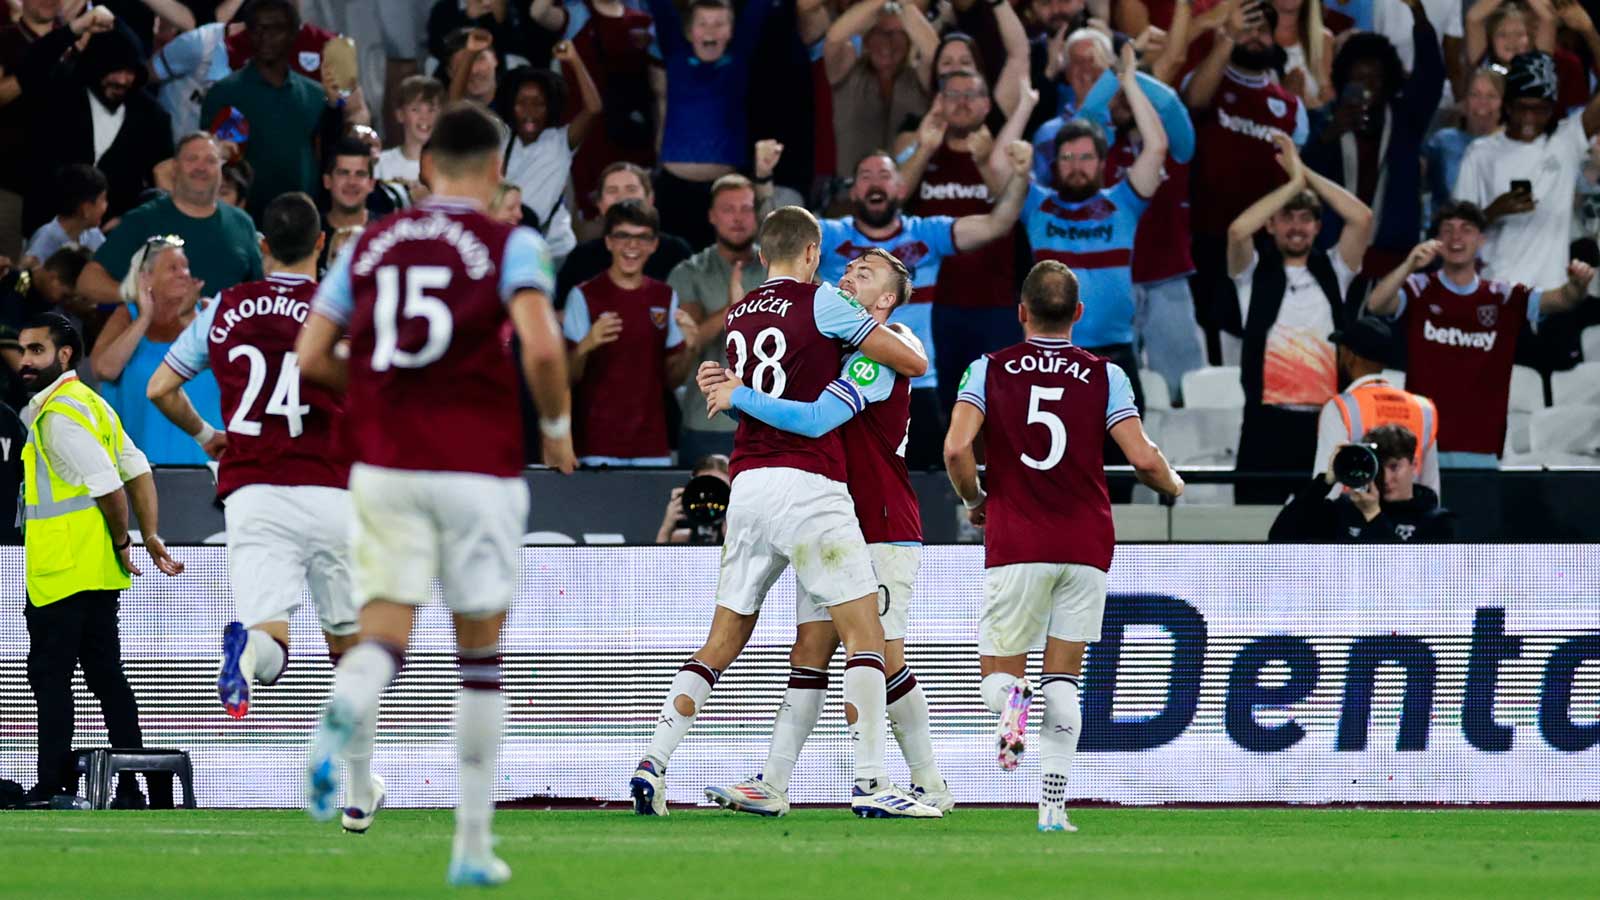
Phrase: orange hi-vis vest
(1377, 402)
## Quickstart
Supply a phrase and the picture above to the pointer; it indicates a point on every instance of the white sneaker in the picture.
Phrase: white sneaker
(322, 762)
(889, 802)
(939, 798)
(483, 871)
(1054, 818)
(752, 796)
(1012, 732)
(357, 821)
(649, 789)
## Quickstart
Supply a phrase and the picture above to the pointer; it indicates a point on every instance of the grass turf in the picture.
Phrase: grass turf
(817, 854)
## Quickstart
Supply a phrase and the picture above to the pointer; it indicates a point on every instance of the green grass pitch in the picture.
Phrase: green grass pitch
(817, 854)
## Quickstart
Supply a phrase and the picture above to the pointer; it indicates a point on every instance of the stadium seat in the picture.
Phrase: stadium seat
(1590, 341)
(1396, 377)
(1516, 433)
(1213, 387)
(1565, 431)
(1578, 386)
(1156, 395)
(1527, 390)
(1222, 523)
(1139, 522)
(1196, 437)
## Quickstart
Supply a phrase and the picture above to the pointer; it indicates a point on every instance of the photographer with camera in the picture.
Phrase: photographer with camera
(1383, 504)
(697, 512)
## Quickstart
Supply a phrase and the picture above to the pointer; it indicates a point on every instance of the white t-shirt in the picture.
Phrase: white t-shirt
(541, 170)
(1393, 20)
(1300, 368)
(1530, 248)
(393, 166)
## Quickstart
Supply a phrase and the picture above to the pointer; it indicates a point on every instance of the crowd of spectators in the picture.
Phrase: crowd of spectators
(1232, 180)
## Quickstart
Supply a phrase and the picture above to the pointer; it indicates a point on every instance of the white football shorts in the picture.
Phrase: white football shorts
(1025, 602)
(283, 540)
(896, 567)
(779, 517)
(463, 528)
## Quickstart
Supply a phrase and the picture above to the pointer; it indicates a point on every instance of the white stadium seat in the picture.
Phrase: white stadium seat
(1566, 431)
(1590, 341)
(1156, 395)
(1527, 390)
(1516, 432)
(1213, 387)
(1196, 437)
(1577, 386)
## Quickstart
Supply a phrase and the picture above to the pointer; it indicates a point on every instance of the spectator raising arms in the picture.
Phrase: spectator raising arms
(881, 83)
(708, 85)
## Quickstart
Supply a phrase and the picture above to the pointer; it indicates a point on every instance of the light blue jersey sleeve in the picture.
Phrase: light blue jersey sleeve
(1128, 201)
(526, 265)
(1037, 195)
(182, 55)
(834, 233)
(1302, 125)
(189, 355)
(862, 381)
(1119, 396)
(938, 232)
(575, 322)
(971, 389)
(335, 300)
(674, 333)
(1169, 107)
(839, 318)
(1044, 149)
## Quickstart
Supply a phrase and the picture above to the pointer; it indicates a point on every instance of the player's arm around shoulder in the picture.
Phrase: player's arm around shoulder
(898, 349)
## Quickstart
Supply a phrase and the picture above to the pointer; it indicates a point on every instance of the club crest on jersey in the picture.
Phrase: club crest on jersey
(658, 317)
(1277, 107)
(1488, 315)
(865, 371)
(309, 61)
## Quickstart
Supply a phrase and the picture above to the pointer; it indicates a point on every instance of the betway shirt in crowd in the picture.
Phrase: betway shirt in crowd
(618, 417)
(922, 243)
(783, 340)
(1047, 406)
(1095, 239)
(1300, 368)
(1235, 164)
(422, 293)
(978, 279)
(1461, 343)
(280, 430)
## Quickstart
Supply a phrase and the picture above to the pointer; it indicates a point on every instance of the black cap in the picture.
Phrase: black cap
(1368, 336)
(1532, 74)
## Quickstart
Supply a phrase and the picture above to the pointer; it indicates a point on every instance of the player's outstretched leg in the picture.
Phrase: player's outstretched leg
(767, 794)
(480, 717)
(358, 683)
(690, 688)
(908, 718)
(1063, 719)
(249, 654)
(1010, 697)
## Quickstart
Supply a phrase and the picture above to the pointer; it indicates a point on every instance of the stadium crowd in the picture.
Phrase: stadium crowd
(1233, 181)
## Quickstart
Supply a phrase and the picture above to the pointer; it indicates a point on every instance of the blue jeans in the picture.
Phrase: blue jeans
(1170, 340)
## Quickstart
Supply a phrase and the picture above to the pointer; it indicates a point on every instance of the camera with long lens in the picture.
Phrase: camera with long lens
(705, 506)
(1356, 465)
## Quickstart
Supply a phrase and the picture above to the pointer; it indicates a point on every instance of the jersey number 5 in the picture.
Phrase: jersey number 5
(1038, 415)
(769, 364)
(285, 399)
(388, 311)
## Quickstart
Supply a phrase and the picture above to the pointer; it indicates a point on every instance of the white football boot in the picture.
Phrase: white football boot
(939, 798)
(649, 789)
(323, 771)
(889, 802)
(1054, 818)
(751, 796)
(357, 821)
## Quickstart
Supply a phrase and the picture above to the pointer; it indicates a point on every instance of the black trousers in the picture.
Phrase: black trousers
(925, 438)
(77, 630)
(1274, 439)
(683, 206)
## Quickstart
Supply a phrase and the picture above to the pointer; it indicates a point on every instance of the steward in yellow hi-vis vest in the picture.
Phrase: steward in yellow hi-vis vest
(81, 473)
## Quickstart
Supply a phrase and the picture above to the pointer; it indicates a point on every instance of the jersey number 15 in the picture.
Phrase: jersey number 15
(418, 304)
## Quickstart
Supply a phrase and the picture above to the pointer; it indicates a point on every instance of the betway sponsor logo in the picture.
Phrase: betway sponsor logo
(1241, 125)
(1455, 337)
(954, 191)
(1074, 233)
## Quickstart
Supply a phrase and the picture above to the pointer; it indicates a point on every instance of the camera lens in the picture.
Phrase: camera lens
(1355, 465)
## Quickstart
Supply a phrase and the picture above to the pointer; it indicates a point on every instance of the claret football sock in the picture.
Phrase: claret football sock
(797, 717)
(270, 656)
(864, 689)
(996, 690)
(908, 717)
(693, 681)
(1063, 719)
(480, 714)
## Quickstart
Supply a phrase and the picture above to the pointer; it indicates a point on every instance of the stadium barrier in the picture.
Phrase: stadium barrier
(1456, 674)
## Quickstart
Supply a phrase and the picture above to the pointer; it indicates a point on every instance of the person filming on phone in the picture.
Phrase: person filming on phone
(1381, 502)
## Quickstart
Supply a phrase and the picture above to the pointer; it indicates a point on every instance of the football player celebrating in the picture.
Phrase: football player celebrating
(1049, 536)
(874, 439)
(436, 485)
(282, 478)
(789, 506)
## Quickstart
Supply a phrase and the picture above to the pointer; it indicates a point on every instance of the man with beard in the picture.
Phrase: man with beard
(98, 116)
(1238, 106)
(977, 309)
(78, 552)
(705, 284)
(1090, 228)
(220, 240)
(922, 243)
(1291, 297)
(282, 107)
